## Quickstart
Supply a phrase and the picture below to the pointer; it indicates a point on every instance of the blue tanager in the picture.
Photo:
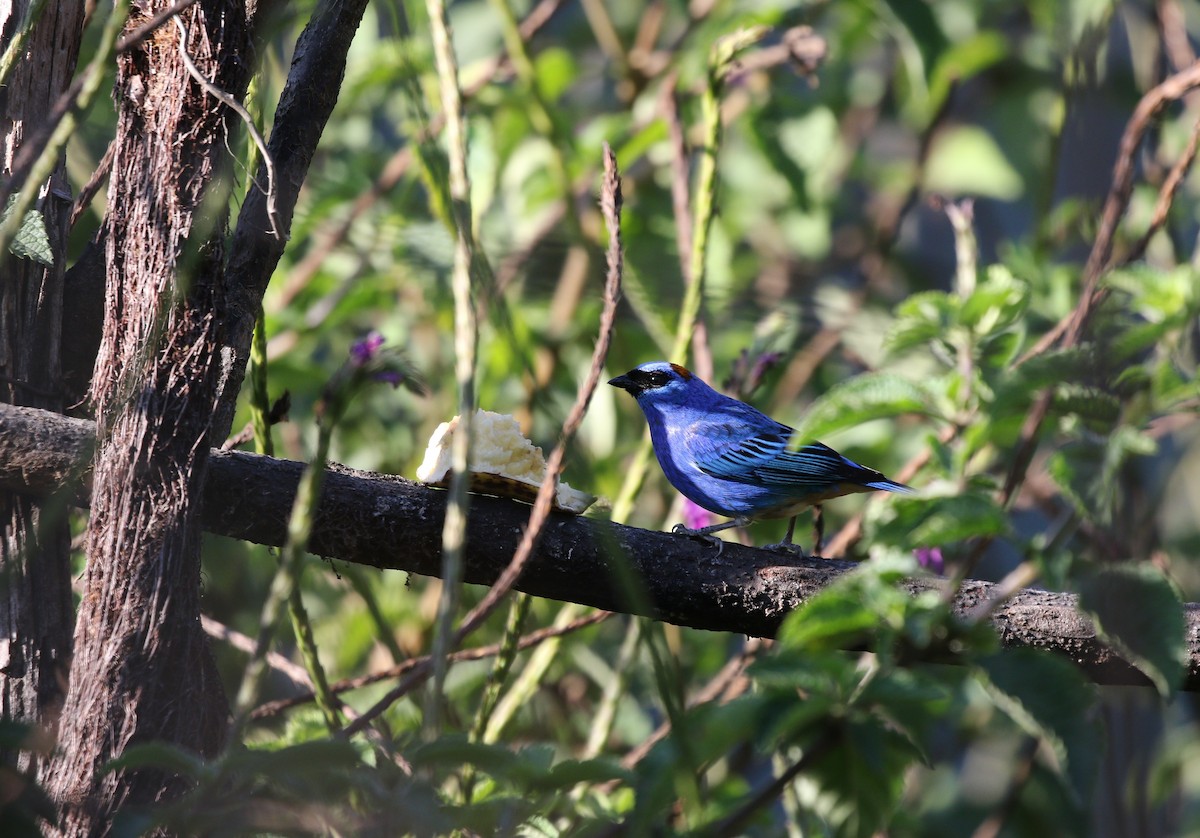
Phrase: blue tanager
(734, 460)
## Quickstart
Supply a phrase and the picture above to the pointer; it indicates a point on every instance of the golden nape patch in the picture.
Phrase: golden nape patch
(684, 372)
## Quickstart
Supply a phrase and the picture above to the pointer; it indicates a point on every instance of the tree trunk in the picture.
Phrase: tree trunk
(36, 617)
(142, 670)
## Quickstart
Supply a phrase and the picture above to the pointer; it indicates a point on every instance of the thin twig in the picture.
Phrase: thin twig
(825, 740)
(465, 347)
(146, 29)
(1170, 90)
(245, 643)
(395, 168)
(726, 684)
(88, 193)
(1172, 25)
(721, 62)
(233, 104)
(681, 202)
(1166, 193)
(1071, 328)
(610, 203)
(528, 641)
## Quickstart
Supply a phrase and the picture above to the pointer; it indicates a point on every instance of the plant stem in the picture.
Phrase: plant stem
(465, 336)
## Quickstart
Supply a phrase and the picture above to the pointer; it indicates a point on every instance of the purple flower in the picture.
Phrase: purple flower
(695, 517)
(393, 377)
(362, 352)
(931, 559)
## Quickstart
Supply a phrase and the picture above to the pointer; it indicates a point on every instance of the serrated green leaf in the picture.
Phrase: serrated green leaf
(910, 523)
(1138, 611)
(858, 400)
(827, 621)
(1157, 294)
(538, 827)
(857, 784)
(959, 517)
(32, 240)
(1094, 406)
(922, 318)
(915, 703)
(996, 303)
(1053, 367)
(1075, 469)
(1050, 698)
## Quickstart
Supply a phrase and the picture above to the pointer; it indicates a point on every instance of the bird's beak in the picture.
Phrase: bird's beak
(625, 383)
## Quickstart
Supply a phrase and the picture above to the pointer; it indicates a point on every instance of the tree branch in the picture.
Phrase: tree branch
(313, 84)
(388, 522)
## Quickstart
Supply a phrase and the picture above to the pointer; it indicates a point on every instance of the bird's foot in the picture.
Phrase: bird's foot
(703, 534)
(787, 547)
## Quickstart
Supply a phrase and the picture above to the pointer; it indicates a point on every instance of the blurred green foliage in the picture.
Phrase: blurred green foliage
(827, 250)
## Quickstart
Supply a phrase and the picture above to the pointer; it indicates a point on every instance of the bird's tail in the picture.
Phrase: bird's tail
(892, 486)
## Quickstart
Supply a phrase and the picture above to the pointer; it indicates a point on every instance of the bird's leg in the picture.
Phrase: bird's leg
(786, 545)
(818, 529)
(706, 533)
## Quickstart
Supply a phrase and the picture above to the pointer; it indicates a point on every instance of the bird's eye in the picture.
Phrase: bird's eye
(657, 379)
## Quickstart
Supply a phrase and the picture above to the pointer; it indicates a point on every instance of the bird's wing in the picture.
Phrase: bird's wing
(817, 466)
(734, 448)
(729, 451)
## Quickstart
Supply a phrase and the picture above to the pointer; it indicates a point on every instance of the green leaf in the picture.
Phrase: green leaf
(965, 160)
(997, 303)
(1095, 407)
(923, 318)
(32, 240)
(159, 755)
(917, 17)
(915, 702)
(454, 751)
(1139, 612)
(538, 827)
(316, 758)
(962, 61)
(857, 784)
(556, 71)
(861, 399)
(1075, 468)
(829, 620)
(910, 522)
(1050, 698)
(570, 772)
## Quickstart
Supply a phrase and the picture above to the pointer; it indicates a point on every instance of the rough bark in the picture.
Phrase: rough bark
(388, 522)
(142, 669)
(36, 618)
